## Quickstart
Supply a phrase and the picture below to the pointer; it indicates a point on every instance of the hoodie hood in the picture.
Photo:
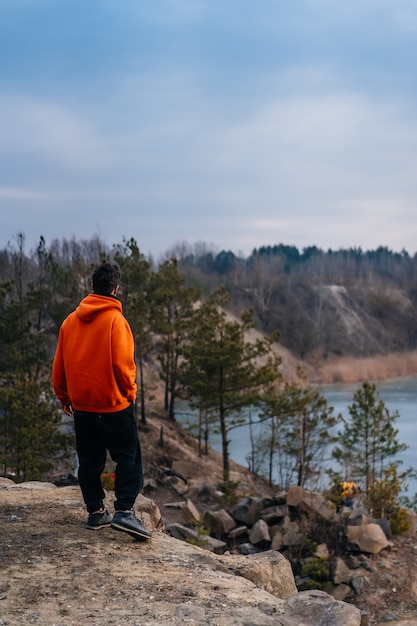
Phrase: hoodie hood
(94, 304)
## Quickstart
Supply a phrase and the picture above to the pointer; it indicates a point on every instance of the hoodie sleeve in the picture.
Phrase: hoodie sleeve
(123, 348)
(59, 380)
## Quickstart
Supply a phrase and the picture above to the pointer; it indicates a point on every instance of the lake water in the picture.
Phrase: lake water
(398, 395)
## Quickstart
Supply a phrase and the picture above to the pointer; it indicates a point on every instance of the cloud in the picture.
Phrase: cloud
(19, 194)
(43, 130)
(310, 159)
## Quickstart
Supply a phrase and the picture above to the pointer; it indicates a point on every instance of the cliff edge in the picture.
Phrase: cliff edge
(56, 572)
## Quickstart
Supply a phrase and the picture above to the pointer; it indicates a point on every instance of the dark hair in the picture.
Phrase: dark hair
(106, 277)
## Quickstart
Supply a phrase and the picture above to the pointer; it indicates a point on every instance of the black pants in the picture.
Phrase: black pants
(96, 433)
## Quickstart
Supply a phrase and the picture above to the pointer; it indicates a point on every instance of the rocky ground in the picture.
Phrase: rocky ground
(55, 572)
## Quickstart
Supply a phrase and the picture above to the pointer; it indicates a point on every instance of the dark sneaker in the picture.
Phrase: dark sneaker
(127, 522)
(98, 520)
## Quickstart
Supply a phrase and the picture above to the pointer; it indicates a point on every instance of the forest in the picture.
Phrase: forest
(324, 303)
(191, 314)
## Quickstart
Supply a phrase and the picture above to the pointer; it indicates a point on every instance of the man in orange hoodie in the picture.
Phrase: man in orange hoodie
(94, 375)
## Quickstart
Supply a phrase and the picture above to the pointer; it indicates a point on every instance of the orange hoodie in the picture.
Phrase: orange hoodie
(94, 367)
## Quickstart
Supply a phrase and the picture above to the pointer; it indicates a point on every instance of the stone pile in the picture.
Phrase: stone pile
(327, 548)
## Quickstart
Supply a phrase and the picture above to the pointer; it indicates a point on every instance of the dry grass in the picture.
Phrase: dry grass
(351, 370)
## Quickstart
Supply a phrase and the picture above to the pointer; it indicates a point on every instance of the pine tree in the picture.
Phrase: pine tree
(135, 271)
(223, 372)
(171, 304)
(368, 439)
(31, 434)
(301, 426)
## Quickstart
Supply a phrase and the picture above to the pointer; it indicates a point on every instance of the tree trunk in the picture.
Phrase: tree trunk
(142, 390)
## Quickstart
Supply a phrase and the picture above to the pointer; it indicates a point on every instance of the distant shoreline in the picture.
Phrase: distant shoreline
(353, 370)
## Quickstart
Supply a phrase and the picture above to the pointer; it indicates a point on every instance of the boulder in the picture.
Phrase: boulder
(214, 545)
(358, 518)
(293, 535)
(274, 514)
(386, 527)
(259, 534)
(310, 502)
(149, 513)
(6, 482)
(359, 583)
(248, 548)
(340, 592)
(340, 572)
(369, 538)
(219, 522)
(238, 532)
(315, 503)
(268, 570)
(317, 608)
(277, 539)
(179, 531)
(322, 552)
(247, 511)
(177, 484)
(190, 512)
(295, 495)
(35, 485)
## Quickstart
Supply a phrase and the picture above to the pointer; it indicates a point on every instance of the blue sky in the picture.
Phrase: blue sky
(234, 123)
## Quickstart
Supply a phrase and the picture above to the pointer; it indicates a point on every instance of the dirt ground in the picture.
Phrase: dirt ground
(54, 572)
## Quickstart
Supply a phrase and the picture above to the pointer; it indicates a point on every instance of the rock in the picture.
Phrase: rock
(267, 570)
(179, 531)
(295, 495)
(149, 485)
(189, 613)
(412, 522)
(247, 511)
(190, 512)
(353, 561)
(317, 608)
(6, 482)
(293, 536)
(277, 540)
(322, 551)
(239, 531)
(219, 522)
(311, 502)
(207, 490)
(149, 513)
(369, 538)
(274, 514)
(340, 592)
(317, 504)
(358, 518)
(34, 484)
(386, 527)
(259, 534)
(173, 581)
(213, 544)
(358, 583)
(339, 571)
(176, 483)
(249, 548)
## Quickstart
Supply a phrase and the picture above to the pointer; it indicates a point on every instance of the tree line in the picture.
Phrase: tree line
(187, 341)
(294, 291)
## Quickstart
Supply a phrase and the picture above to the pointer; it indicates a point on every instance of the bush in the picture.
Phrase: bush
(318, 572)
(382, 500)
